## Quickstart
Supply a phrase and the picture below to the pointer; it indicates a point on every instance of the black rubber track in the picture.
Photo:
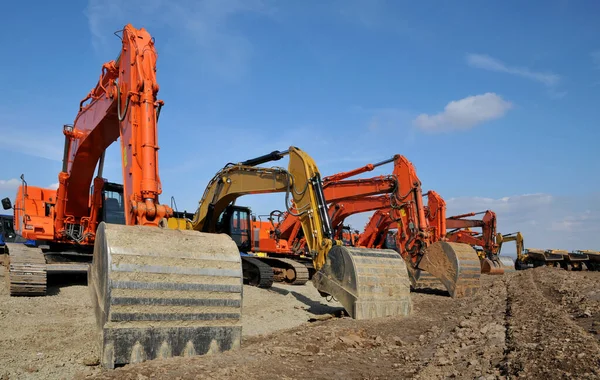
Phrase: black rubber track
(257, 273)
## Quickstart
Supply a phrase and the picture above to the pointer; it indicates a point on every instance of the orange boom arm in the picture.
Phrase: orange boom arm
(123, 104)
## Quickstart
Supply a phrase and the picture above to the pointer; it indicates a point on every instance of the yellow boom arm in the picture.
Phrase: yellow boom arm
(302, 180)
(367, 283)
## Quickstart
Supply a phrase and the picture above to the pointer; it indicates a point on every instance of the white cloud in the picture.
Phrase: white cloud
(465, 113)
(34, 143)
(9, 184)
(545, 221)
(53, 186)
(485, 62)
(8, 188)
(201, 29)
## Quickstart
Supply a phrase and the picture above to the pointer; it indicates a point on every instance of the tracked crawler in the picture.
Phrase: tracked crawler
(460, 231)
(369, 283)
(401, 193)
(156, 292)
(420, 237)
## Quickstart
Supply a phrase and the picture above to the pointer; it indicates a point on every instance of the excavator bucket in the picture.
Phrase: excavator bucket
(160, 292)
(369, 283)
(421, 280)
(507, 263)
(492, 267)
(456, 265)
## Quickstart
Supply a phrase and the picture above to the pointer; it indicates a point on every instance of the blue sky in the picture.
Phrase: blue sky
(495, 103)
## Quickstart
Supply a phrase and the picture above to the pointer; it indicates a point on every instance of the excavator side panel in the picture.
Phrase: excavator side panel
(456, 265)
(162, 292)
(369, 283)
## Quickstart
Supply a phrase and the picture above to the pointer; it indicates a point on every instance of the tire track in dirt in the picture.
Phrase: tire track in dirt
(576, 292)
(543, 341)
(444, 337)
(474, 348)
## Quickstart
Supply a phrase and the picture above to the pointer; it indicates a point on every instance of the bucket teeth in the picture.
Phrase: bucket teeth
(369, 283)
(189, 349)
(165, 350)
(137, 353)
(160, 292)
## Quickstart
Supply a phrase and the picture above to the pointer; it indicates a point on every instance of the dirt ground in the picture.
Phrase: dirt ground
(539, 323)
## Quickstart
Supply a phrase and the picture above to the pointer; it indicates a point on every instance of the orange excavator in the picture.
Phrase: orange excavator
(454, 264)
(460, 231)
(156, 292)
(276, 251)
(491, 261)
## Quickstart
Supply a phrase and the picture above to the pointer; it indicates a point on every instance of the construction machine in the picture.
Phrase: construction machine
(280, 244)
(460, 227)
(456, 265)
(576, 260)
(593, 262)
(368, 283)
(7, 229)
(336, 188)
(156, 292)
(535, 257)
(527, 258)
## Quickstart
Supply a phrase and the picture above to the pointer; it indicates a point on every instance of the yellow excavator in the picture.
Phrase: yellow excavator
(369, 283)
(523, 261)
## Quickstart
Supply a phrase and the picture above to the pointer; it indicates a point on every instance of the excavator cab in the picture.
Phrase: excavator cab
(349, 236)
(235, 222)
(113, 210)
(7, 230)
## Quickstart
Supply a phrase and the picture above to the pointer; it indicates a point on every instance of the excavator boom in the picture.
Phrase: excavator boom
(367, 283)
(420, 241)
(156, 292)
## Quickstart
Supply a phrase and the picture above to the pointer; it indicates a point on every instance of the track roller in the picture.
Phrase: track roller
(257, 273)
(287, 270)
(26, 270)
(159, 293)
(369, 283)
(456, 265)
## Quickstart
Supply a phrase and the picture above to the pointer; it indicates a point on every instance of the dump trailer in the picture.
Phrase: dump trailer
(535, 257)
(576, 261)
(593, 262)
(156, 292)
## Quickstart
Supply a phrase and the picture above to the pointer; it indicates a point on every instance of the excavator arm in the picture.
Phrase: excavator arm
(419, 243)
(123, 105)
(368, 284)
(339, 211)
(377, 225)
(517, 237)
(337, 188)
(153, 291)
(491, 262)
